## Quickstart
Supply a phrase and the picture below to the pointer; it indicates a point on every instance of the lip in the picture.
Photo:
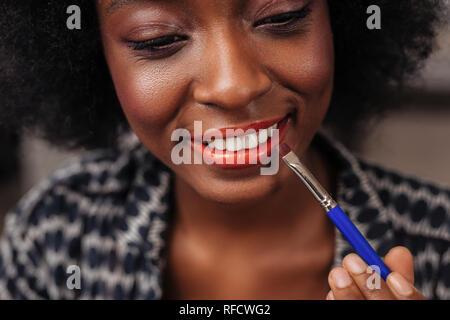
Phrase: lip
(231, 131)
(246, 157)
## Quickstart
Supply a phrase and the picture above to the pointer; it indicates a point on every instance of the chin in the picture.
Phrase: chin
(246, 190)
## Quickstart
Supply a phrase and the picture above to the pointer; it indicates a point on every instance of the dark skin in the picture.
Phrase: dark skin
(237, 234)
(260, 252)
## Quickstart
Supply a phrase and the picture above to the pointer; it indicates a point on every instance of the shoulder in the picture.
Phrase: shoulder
(81, 185)
(411, 203)
(418, 204)
(418, 212)
(62, 220)
(394, 208)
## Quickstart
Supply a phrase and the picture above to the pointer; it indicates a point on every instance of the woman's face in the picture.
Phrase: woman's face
(227, 64)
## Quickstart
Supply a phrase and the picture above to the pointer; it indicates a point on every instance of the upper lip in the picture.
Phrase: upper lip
(260, 124)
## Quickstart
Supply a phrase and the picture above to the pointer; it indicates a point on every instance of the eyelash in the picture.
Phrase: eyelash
(294, 18)
(160, 45)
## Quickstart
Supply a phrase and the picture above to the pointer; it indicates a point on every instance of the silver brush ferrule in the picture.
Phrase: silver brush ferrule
(325, 200)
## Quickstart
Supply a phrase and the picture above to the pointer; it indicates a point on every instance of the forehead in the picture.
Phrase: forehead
(110, 6)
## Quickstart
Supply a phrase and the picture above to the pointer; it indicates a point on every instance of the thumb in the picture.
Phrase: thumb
(400, 259)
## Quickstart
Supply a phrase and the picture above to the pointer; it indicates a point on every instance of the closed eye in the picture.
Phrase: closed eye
(169, 44)
(157, 44)
(285, 20)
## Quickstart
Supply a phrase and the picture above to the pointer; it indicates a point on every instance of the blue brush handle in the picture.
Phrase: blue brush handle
(357, 240)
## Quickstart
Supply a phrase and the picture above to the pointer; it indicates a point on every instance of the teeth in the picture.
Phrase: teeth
(234, 144)
(251, 141)
(229, 144)
(270, 133)
(263, 136)
(248, 141)
(219, 144)
(240, 143)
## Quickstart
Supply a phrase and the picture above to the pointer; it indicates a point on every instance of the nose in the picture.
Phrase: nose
(230, 75)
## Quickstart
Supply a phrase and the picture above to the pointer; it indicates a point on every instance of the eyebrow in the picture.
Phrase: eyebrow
(116, 4)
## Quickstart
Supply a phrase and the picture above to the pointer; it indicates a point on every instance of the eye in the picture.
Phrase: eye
(285, 20)
(159, 45)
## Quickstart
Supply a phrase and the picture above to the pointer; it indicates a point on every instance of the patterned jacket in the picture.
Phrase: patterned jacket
(107, 213)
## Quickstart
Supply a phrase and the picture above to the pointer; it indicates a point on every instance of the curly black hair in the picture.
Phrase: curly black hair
(56, 82)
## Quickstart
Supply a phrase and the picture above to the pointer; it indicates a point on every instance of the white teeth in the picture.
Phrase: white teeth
(234, 144)
(219, 144)
(230, 144)
(211, 145)
(262, 136)
(248, 141)
(240, 143)
(270, 130)
(251, 141)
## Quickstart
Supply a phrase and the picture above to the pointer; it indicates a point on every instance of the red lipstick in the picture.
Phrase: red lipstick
(245, 157)
(263, 124)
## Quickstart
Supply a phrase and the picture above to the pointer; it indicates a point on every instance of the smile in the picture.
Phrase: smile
(247, 141)
(242, 146)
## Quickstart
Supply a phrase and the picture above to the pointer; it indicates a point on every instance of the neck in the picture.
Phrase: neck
(289, 217)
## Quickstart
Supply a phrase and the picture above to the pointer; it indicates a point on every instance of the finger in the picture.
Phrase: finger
(343, 286)
(370, 283)
(402, 288)
(400, 259)
(330, 295)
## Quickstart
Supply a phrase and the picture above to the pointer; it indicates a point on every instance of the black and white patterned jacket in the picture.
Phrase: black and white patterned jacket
(107, 212)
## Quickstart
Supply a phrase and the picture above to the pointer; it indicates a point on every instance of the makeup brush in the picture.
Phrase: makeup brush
(334, 212)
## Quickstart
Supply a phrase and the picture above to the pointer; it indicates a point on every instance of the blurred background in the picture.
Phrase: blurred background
(415, 140)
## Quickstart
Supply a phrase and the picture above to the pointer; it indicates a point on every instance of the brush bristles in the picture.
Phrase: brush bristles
(284, 149)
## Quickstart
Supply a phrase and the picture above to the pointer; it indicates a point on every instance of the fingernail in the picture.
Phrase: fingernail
(400, 284)
(355, 264)
(341, 278)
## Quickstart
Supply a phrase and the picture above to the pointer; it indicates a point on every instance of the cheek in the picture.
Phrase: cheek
(150, 93)
(308, 68)
(315, 77)
(315, 72)
(306, 64)
(149, 98)
(311, 75)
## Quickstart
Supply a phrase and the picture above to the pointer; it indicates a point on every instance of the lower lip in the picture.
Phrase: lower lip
(236, 158)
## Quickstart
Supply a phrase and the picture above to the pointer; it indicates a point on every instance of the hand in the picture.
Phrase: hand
(353, 282)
